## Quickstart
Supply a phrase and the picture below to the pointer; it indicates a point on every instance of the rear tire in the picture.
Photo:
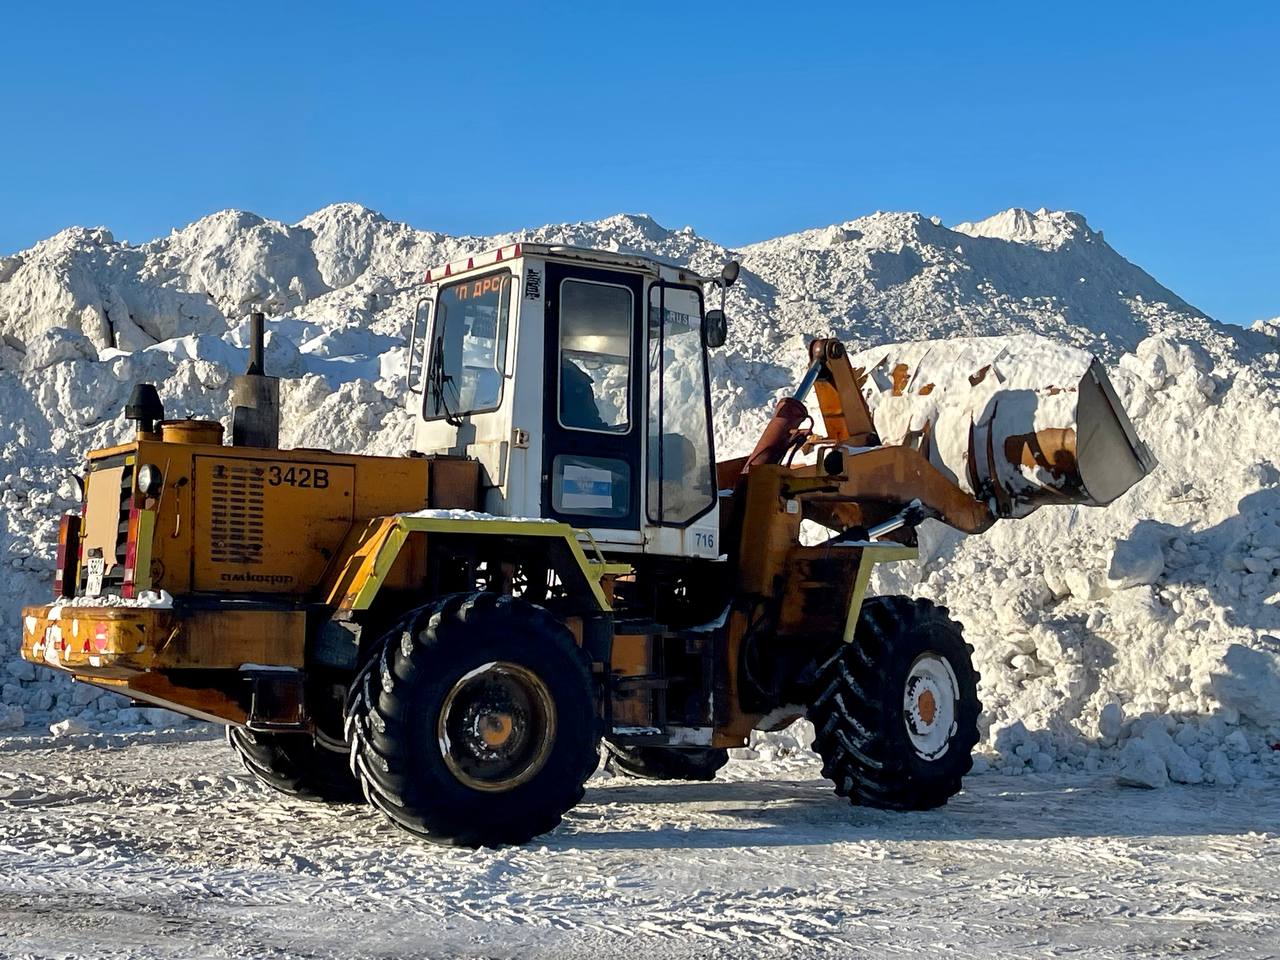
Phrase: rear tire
(293, 763)
(895, 712)
(475, 723)
(667, 763)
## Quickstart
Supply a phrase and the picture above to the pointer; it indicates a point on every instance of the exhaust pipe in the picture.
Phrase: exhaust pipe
(145, 410)
(1017, 422)
(255, 397)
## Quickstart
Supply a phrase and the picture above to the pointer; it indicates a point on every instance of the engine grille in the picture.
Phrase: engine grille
(236, 525)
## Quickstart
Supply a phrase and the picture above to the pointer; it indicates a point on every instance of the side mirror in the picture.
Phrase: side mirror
(715, 328)
(729, 273)
(423, 317)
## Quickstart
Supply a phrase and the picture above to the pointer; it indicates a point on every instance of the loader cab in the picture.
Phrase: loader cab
(579, 380)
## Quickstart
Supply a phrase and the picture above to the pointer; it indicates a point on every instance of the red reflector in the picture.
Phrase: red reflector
(130, 555)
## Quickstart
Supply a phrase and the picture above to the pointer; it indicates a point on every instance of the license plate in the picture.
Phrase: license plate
(93, 585)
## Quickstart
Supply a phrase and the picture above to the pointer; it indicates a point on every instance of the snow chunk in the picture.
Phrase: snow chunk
(70, 727)
(1141, 766)
(1249, 681)
(1179, 764)
(1111, 721)
(55, 346)
(1218, 769)
(437, 514)
(1136, 561)
(148, 599)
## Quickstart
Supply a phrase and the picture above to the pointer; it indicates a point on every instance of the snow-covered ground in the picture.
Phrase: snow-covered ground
(160, 845)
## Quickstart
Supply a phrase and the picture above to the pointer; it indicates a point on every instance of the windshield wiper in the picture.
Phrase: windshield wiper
(438, 379)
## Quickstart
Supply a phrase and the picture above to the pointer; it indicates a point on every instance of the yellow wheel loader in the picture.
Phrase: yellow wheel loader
(561, 561)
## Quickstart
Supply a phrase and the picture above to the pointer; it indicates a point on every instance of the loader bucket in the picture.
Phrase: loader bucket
(1016, 422)
(1109, 455)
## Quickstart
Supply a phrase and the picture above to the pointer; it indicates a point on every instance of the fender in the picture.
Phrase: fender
(370, 555)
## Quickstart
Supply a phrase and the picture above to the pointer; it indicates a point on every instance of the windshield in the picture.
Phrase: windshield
(469, 347)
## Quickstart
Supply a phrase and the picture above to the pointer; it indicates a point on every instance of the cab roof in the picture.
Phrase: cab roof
(552, 251)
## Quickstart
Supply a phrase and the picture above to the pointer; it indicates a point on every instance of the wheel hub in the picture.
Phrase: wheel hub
(927, 706)
(929, 701)
(496, 726)
(495, 729)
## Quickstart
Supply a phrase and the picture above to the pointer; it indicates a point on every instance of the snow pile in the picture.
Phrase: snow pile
(1140, 637)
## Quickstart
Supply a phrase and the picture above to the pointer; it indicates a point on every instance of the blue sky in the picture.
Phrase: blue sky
(1159, 121)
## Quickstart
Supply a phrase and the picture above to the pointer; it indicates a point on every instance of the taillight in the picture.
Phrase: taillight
(68, 570)
(130, 554)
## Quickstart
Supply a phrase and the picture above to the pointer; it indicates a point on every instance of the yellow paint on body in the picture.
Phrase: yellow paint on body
(357, 587)
(871, 555)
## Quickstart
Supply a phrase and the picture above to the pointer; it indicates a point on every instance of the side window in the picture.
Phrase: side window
(469, 346)
(680, 484)
(595, 356)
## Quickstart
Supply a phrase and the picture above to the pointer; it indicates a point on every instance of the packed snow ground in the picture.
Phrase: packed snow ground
(151, 845)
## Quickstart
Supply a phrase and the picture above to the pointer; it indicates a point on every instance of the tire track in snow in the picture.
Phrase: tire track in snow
(172, 835)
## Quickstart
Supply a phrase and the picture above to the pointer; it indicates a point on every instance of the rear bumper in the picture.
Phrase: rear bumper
(99, 641)
(219, 663)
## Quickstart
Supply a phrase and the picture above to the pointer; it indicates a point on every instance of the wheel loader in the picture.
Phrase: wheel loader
(560, 563)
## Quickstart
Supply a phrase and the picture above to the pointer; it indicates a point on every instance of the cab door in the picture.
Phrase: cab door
(592, 401)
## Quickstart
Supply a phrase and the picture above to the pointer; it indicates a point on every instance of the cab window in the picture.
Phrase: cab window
(595, 356)
(469, 347)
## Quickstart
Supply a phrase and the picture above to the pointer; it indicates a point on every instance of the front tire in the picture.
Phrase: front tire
(895, 712)
(475, 723)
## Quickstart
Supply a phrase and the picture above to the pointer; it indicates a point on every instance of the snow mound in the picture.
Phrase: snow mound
(1047, 229)
(1140, 638)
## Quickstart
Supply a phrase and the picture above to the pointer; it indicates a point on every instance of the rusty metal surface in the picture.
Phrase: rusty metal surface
(778, 432)
(97, 641)
(138, 651)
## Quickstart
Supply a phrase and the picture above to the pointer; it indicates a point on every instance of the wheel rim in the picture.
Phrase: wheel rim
(929, 700)
(496, 727)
